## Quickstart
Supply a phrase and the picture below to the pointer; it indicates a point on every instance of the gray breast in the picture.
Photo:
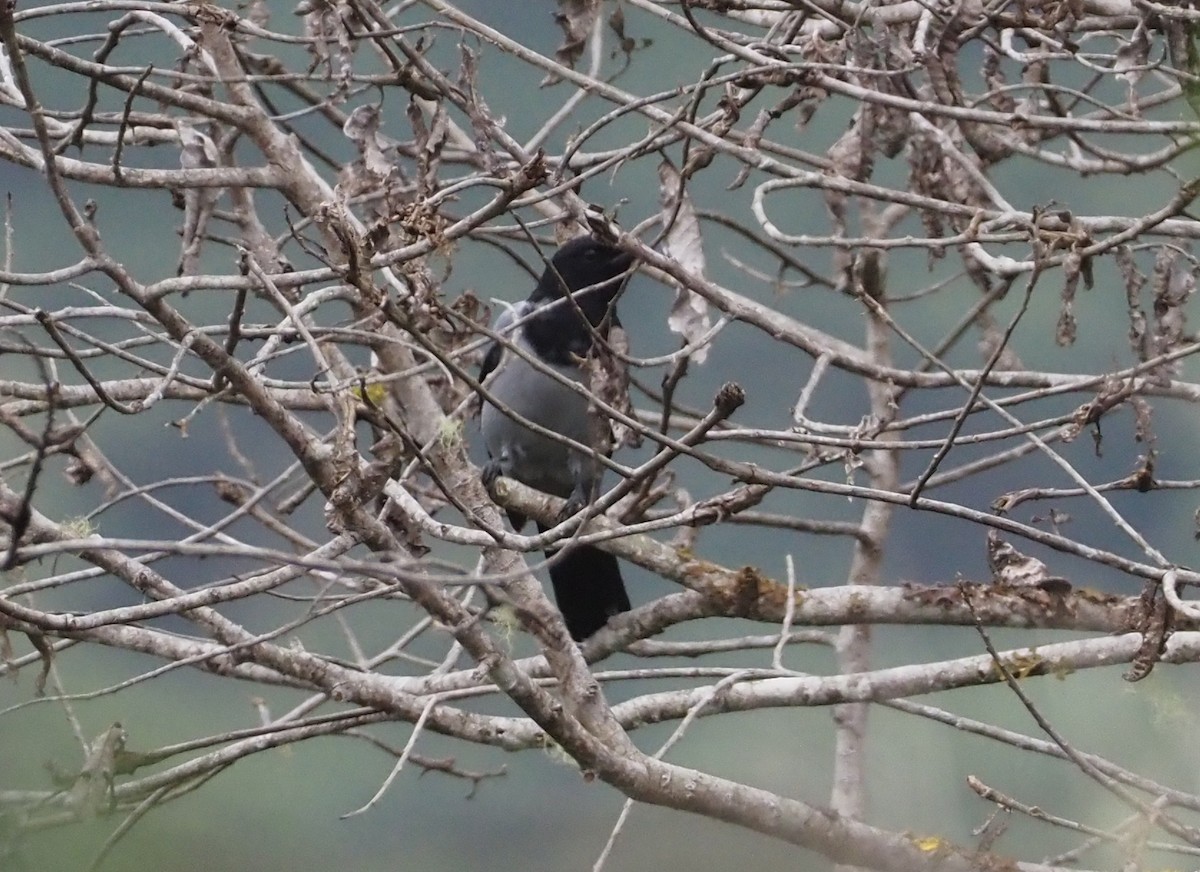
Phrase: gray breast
(529, 457)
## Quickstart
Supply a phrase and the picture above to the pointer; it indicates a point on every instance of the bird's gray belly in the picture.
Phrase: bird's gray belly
(530, 457)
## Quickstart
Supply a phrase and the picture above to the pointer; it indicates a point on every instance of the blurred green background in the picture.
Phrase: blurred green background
(281, 810)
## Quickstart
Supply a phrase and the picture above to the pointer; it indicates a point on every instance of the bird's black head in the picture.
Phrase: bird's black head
(584, 262)
(562, 329)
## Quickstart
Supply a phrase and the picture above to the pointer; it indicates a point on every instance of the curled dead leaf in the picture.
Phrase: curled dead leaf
(689, 313)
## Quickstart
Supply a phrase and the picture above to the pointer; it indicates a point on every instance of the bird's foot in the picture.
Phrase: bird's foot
(491, 472)
(576, 502)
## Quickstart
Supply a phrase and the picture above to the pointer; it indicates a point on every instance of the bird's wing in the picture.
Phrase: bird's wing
(504, 326)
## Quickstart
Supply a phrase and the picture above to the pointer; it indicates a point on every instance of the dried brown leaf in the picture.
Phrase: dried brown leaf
(992, 339)
(46, 652)
(608, 381)
(850, 156)
(1012, 569)
(626, 44)
(1154, 623)
(329, 40)
(196, 151)
(1133, 56)
(683, 244)
(999, 97)
(1066, 330)
(7, 655)
(1173, 286)
(91, 794)
(1134, 280)
(925, 177)
(576, 18)
(1142, 477)
(806, 100)
(362, 128)
(483, 124)
(753, 136)
(1143, 419)
(1112, 394)
(429, 141)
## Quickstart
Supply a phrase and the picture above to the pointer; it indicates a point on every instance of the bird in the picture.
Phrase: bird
(558, 326)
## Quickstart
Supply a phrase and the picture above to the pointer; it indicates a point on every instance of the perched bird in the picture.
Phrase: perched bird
(558, 327)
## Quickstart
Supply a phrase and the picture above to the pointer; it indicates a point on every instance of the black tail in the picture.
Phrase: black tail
(587, 587)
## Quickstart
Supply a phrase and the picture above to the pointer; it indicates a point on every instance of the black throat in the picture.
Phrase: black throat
(562, 331)
(572, 305)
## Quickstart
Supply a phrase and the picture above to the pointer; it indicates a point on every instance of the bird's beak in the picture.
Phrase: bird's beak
(622, 260)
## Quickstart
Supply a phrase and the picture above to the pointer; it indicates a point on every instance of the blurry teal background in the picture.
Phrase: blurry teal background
(281, 810)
